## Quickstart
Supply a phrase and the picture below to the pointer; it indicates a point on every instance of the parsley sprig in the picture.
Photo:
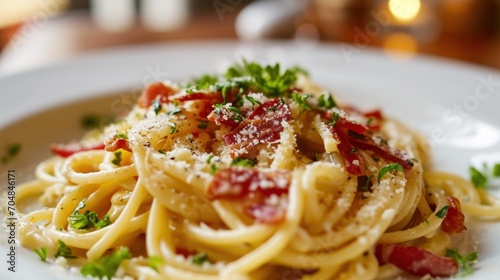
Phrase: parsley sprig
(42, 253)
(106, 266)
(268, 79)
(243, 162)
(301, 100)
(388, 168)
(481, 178)
(87, 220)
(463, 261)
(63, 250)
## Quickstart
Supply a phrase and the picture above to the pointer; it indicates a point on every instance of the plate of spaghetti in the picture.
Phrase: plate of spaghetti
(269, 161)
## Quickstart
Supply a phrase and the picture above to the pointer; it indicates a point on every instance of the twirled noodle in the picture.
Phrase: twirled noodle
(311, 201)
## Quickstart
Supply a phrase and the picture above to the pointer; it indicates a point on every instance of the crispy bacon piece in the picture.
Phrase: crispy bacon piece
(415, 260)
(352, 135)
(393, 155)
(152, 91)
(213, 97)
(66, 150)
(184, 252)
(252, 187)
(114, 143)
(352, 162)
(224, 116)
(453, 221)
(262, 126)
(234, 182)
(266, 214)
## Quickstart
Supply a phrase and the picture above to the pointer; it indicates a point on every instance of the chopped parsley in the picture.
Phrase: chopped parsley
(172, 128)
(106, 266)
(477, 178)
(301, 100)
(327, 102)
(118, 158)
(252, 100)
(244, 162)
(92, 121)
(203, 125)
(157, 106)
(205, 81)
(388, 168)
(442, 212)
(12, 151)
(335, 118)
(463, 261)
(366, 187)
(224, 89)
(42, 253)
(496, 170)
(155, 262)
(269, 79)
(238, 115)
(122, 136)
(63, 250)
(87, 220)
(200, 258)
(174, 112)
(209, 159)
(213, 168)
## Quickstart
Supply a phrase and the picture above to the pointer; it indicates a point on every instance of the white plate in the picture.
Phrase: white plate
(45, 106)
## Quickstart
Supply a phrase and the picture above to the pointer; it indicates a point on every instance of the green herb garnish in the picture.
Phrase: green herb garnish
(335, 118)
(301, 100)
(496, 170)
(106, 266)
(155, 262)
(388, 168)
(463, 261)
(172, 128)
(200, 258)
(157, 106)
(12, 151)
(268, 80)
(42, 253)
(63, 250)
(442, 212)
(252, 100)
(118, 158)
(327, 102)
(477, 178)
(122, 136)
(244, 162)
(87, 220)
(203, 125)
(174, 112)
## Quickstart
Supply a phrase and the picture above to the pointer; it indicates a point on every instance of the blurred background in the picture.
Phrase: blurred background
(34, 33)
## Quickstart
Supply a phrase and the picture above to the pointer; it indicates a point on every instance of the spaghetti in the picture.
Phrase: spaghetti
(256, 174)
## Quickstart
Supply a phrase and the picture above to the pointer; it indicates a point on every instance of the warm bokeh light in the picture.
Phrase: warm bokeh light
(400, 46)
(404, 9)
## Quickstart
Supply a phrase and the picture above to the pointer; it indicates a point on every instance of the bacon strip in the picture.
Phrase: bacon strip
(262, 126)
(352, 162)
(252, 187)
(453, 221)
(415, 260)
(113, 144)
(66, 150)
(152, 91)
